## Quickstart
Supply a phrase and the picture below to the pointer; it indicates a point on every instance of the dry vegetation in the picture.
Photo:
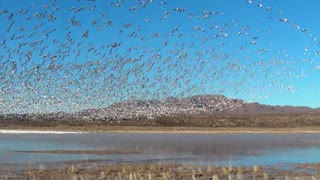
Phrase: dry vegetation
(156, 172)
(96, 152)
(257, 121)
(182, 123)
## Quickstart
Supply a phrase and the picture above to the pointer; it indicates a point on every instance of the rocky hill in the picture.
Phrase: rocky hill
(256, 108)
(200, 104)
(195, 105)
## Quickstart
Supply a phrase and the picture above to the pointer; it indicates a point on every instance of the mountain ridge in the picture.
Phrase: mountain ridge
(199, 104)
(171, 106)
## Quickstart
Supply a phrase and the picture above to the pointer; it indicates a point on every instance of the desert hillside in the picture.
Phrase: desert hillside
(197, 111)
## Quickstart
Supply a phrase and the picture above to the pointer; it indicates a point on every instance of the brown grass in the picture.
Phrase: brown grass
(263, 123)
(163, 172)
(97, 152)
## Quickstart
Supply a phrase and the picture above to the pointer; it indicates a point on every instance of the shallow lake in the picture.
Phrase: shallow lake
(202, 149)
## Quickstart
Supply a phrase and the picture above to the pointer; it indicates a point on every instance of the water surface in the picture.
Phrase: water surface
(235, 149)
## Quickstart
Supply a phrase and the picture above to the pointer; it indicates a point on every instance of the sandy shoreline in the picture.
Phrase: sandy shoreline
(153, 130)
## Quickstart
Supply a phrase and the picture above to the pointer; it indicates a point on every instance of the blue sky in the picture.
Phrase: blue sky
(265, 51)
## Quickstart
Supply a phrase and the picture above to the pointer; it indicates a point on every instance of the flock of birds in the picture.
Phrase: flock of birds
(62, 56)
